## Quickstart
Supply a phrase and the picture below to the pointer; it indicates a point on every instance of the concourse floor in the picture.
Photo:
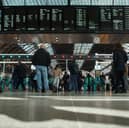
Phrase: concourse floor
(63, 110)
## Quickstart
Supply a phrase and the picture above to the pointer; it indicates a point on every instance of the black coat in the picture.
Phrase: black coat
(119, 60)
(73, 68)
(41, 57)
(19, 71)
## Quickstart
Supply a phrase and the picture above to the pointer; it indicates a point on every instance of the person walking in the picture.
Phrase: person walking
(119, 65)
(41, 60)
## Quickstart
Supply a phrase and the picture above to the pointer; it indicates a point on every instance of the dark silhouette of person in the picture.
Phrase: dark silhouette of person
(119, 61)
(41, 59)
(20, 71)
(74, 70)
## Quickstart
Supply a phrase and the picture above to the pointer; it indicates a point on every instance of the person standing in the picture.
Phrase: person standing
(88, 83)
(126, 77)
(14, 76)
(65, 81)
(20, 72)
(41, 59)
(119, 65)
(57, 73)
(74, 70)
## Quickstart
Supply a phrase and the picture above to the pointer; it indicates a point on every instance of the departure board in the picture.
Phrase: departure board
(102, 19)
(105, 19)
(81, 19)
(20, 20)
(0, 19)
(126, 18)
(9, 19)
(93, 18)
(68, 19)
(32, 19)
(45, 20)
(57, 19)
(117, 17)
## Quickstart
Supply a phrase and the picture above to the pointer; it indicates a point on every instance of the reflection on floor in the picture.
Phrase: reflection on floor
(64, 110)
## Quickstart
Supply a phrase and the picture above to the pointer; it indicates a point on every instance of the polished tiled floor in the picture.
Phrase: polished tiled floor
(64, 110)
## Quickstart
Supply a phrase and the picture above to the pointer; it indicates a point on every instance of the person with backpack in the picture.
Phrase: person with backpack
(119, 65)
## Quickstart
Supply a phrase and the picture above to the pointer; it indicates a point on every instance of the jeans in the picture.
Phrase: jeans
(56, 82)
(126, 82)
(119, 80)
(42, 77)
(20, 81)
(73, 83)
(14, 81)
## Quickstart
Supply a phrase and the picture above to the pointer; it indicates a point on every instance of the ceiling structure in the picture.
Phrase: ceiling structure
(63, 2)
(102, 49)
(65, 38)
(64, 44)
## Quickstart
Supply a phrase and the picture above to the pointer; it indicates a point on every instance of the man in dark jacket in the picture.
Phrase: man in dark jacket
(74, 70)
(119, 61)
(41, 59)
(20, 72)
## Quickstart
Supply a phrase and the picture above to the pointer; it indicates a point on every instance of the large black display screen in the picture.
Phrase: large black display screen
(45, 20)
(20, 20)
(64, 19)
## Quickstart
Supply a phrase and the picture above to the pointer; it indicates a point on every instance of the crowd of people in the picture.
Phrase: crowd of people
(44, 77)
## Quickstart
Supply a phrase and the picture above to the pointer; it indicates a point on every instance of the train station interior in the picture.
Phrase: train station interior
(83, 32)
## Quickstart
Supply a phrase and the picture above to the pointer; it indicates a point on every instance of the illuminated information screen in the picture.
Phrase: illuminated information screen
(64, 19)
(105, 19)
(45, 20)
(20, 20)
(126, 13)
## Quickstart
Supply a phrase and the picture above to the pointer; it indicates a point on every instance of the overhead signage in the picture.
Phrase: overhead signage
(64, 19)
